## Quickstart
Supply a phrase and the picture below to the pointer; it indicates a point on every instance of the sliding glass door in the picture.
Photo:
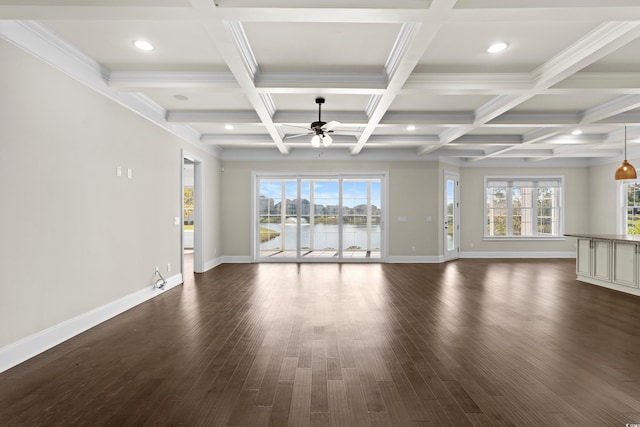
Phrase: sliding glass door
(305, 218)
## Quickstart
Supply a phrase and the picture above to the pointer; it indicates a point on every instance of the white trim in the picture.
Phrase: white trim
(212, 263)
(416, 259)
(509, 208)
(298, 175)
(523, 254)
(198, 198)
(449, 255)
(28, 347)
(236, 260)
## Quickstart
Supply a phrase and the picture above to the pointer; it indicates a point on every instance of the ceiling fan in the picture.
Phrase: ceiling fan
(320, 130)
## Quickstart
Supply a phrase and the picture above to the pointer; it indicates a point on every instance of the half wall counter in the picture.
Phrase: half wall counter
(609, 260)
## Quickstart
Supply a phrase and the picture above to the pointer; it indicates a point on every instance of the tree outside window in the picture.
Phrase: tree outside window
(522, 207)
(632, 208)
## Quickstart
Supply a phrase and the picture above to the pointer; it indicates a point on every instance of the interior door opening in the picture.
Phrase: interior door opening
(192, 236)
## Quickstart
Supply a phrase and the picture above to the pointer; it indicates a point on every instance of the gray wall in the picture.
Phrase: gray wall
(603, 202)
(576, 212)
(74, 236)
(413, 193)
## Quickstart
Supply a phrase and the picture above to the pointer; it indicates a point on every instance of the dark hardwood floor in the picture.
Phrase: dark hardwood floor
(469, 342)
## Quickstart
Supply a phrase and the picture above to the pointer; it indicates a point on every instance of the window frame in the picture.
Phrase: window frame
(622, 224)
(341, 176)
(509, 208)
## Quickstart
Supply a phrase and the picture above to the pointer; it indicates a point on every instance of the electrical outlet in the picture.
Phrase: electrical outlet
(413, 248)
(168, 267)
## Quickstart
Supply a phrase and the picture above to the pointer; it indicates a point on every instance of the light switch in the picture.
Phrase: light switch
(402, 219)
(118, 171)
(176, 220)
(428, 218)
(129, 174)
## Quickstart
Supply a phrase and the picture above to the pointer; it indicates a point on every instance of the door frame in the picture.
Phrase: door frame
(340, 175)
(451, 254)
(198, 211)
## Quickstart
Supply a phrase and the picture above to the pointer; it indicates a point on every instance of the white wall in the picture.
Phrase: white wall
(74, 237)
(413, 193)
(603, 203)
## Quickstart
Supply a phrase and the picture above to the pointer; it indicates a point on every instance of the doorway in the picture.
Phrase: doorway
(451, 230)
(316, 217)
(191, 236)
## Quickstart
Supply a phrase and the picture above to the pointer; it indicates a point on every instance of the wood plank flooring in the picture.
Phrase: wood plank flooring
(466, 343)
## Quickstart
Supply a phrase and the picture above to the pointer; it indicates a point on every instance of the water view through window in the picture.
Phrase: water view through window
(334, 218)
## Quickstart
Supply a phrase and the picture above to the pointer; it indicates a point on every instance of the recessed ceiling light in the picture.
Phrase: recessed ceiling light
(181, 97)
(576, 132)
(228, 127)
(497, 47)
(143, 45)
(411, 128)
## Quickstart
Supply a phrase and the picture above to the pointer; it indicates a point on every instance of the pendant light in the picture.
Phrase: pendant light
(626, 169)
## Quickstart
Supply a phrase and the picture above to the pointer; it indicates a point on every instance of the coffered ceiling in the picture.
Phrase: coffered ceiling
(408, 78)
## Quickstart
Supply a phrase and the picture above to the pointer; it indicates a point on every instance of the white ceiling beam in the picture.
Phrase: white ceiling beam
(375, 83)
(603, 40)
(232, 44)
(56, 10)
(200, 116)
(412, 42)
(612, 108)
(135, 80)
(591, 115)
(94, 13)
(548, 13)
(348, 118)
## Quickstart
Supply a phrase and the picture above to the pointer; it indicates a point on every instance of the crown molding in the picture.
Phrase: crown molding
(35, 39)
(161, 79)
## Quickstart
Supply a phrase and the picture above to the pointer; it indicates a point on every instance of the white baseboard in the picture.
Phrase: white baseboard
(212, 263)
(26, 348)
(415, 259)
(506, 254)
(236, 259)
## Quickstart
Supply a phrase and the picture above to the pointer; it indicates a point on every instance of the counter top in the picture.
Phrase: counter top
(616, 237)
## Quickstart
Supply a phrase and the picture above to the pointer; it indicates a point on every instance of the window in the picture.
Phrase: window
(631, 207)
(316, 217)
(521, 207)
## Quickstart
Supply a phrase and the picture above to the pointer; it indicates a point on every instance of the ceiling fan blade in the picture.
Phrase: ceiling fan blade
(298, 135)
(332, 124)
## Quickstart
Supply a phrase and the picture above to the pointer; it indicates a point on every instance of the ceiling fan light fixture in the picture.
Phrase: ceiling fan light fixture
(315, 141)
(626, 170)
(326, 140)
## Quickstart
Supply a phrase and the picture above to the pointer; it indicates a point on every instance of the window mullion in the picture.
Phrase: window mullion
(509, 210)
(534, 210)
